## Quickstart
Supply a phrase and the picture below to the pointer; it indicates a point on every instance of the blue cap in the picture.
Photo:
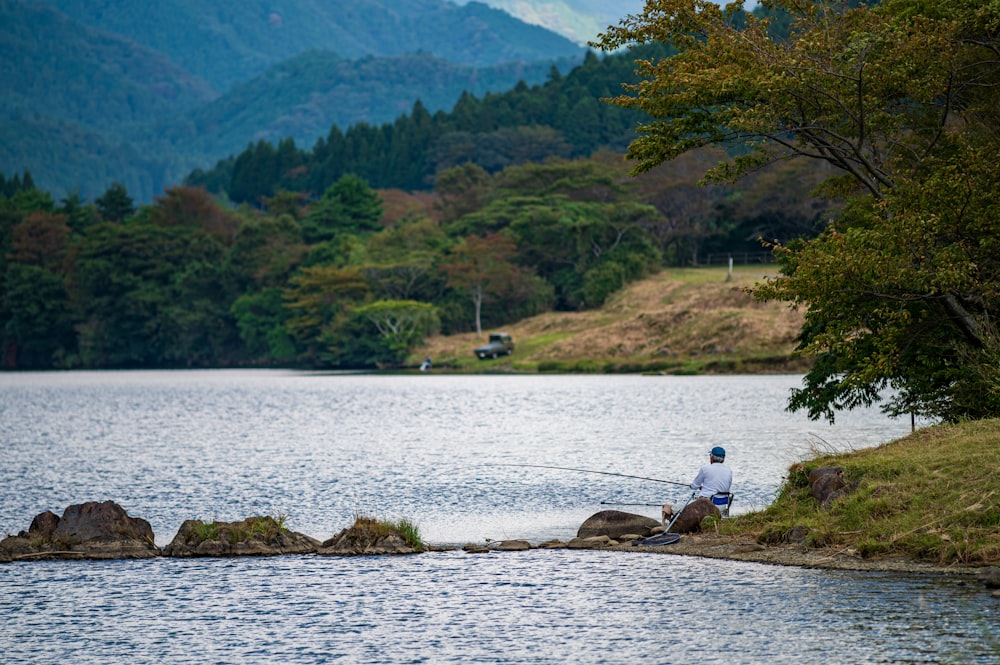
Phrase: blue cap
(719, 452)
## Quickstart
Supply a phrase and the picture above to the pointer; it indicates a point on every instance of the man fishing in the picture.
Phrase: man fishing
(713, 478)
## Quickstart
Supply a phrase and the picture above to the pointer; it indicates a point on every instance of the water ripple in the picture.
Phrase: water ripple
(169, 446)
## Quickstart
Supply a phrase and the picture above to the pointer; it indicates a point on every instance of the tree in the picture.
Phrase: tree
(481, 267)
(193, 207)
(401, 324)
(264, 252)
(79, 214)
(319, 300)
(901, 99)
(42, 239)
(115, 204)
(261, 318)
(460, 190)
(402, 261)
(347, 206)
(150, 295)
(38, 330)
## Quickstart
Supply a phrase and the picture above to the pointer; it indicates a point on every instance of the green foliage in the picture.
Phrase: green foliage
(900, 99)
(11, 186)
(38, 328)
(400, 325)
(152, 295)
(262, 321)
(206, 530)
(369, 528)
(266, 528)
(527, 124)
(348, 206)
(410, 532)
(187, 282)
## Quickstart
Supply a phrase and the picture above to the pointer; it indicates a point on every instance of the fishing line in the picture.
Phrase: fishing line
(603, 473)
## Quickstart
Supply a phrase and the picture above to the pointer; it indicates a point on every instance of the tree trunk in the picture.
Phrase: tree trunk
(477, 298)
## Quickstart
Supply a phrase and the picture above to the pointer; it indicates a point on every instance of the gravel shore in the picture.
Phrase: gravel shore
(747, 549)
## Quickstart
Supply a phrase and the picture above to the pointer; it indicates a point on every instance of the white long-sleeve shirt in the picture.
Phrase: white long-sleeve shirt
(713, 479)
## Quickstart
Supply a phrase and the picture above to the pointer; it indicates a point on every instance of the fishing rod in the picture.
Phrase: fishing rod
(625, 503)
(603, 473)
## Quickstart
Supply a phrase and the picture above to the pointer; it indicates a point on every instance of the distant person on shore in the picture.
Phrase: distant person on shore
(426, 365)
(713, 478)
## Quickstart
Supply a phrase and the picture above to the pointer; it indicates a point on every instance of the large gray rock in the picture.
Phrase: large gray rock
(827, 484)
(44, 524)
(253, 536)
(616, 523)
(690, 519)
(91, 530)
(990, 577)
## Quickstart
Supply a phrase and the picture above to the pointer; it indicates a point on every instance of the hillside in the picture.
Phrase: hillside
(55, 67)
(912, 501)
(682, 320)
(228, 41)
(187, 82)
(580, 20)
(302, 97)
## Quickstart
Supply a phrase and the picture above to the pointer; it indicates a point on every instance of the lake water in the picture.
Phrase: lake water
(321, 449)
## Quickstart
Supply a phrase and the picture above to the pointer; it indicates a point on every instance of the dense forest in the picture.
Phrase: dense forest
(348, 254)
(356, 276)
(564, 117)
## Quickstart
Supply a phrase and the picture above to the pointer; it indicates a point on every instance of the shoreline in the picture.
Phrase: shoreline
(745, 548)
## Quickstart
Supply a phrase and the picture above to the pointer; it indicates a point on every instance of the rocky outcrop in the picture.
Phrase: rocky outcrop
(253, 536)
(614, 524)
(827, 484)
(591, 542)
(990, 577)
(92, 530)
(367, 536)
(690, 519)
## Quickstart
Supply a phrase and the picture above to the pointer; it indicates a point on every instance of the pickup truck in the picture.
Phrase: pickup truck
(499, 344)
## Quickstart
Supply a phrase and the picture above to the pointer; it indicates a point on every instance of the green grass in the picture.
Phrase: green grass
(371, 528)
(267, 528)
(933, 496)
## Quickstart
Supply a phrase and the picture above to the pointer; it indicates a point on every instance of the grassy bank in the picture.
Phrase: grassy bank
(680, 321)
(933, 496)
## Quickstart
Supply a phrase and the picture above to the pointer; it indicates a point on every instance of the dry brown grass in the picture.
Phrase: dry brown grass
(688, 318)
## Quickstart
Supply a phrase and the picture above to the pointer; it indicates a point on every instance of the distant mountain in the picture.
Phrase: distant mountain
(579, 20)
(142, 93)
(52, 66)
(228, 41)
(70, 96)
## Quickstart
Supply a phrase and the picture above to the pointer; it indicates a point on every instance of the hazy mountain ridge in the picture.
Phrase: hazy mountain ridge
(579, 20)
(227, 41)
(54, 67)
(79, 102)
(297, 98)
